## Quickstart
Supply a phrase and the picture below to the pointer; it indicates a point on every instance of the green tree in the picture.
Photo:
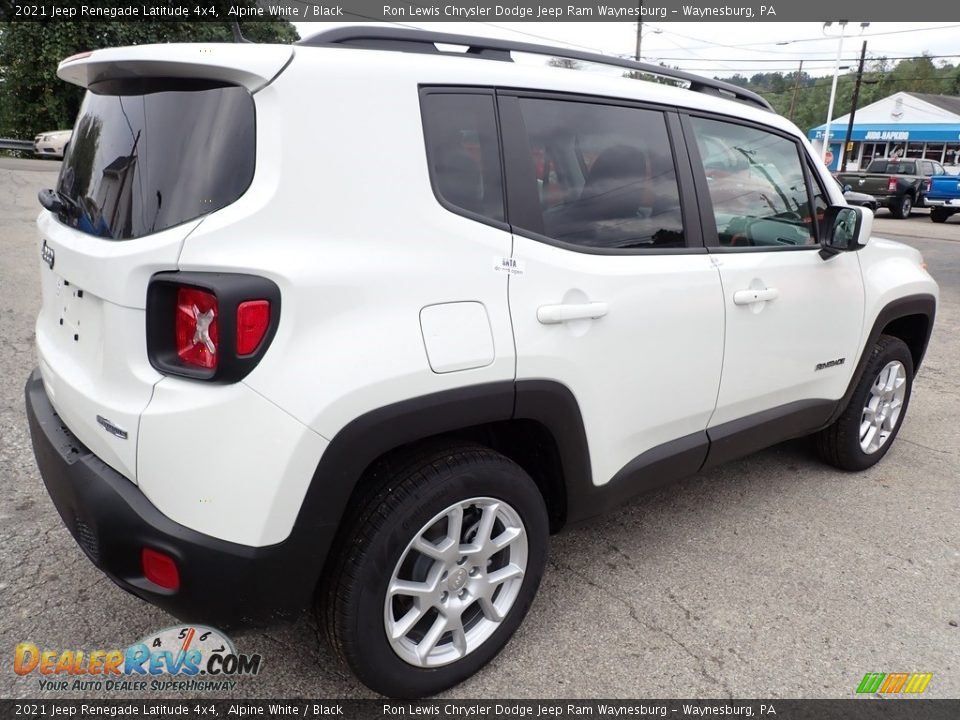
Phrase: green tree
(33, 99)
(882, 78)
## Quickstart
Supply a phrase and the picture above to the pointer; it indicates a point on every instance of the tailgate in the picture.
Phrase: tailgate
(872, 184)
(90, 333)
(943, 187)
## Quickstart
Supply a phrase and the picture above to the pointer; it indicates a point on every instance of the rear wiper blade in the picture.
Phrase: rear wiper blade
(58, 202)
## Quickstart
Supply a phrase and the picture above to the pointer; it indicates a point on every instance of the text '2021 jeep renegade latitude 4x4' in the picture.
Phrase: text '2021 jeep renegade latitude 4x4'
(334, 323)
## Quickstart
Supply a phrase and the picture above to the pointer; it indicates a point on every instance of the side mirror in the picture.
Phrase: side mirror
(844, 229)
(847, 188)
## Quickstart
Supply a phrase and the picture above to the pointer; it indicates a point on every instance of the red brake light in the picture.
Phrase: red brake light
(892, 184)
(160, 569)
(929, 185)
(197, 328)
(253, 319)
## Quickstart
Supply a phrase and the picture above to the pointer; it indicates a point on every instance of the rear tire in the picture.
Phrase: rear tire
(416, 604)
(863, 434)
(902, 208)
(938, 215)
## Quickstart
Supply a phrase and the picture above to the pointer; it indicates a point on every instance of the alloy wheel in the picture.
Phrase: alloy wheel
(455, 582)
(882, 409)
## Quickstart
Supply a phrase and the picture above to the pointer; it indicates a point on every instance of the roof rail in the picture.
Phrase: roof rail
(373, 37)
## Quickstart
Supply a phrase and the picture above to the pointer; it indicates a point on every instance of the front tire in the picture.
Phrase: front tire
(863, 434)
(437, 571)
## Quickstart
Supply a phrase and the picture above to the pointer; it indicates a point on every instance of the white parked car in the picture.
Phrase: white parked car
(52, 144)
(375, 371)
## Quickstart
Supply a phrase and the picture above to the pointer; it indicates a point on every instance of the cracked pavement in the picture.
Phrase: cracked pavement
(771, 577)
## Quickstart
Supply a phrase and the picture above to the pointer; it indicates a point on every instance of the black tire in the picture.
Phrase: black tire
(901, 208)
(409, 494)
(839, 444)
(938, 215)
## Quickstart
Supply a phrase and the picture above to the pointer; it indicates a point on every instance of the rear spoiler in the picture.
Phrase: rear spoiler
(251, 66)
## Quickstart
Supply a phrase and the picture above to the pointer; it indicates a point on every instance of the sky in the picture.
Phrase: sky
(722, 49)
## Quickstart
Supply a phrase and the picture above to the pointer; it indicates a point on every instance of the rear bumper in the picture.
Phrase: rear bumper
(950, 203)
(221, 583)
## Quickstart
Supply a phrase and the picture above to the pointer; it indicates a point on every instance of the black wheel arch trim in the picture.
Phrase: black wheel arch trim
(920, 304)
(365, 439)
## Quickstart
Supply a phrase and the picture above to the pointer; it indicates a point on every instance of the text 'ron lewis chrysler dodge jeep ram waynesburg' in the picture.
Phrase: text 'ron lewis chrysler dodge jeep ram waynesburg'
(373, 372)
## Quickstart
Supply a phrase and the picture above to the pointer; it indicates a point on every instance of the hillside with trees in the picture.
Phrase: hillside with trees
(881, 78)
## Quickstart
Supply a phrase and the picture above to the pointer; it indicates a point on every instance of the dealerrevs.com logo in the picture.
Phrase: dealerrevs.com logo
(180, 658)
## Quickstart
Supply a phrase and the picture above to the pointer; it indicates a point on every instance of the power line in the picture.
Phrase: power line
(555, 41)
(710, 44)
(798, 59)
(821, 39)
(714, 66)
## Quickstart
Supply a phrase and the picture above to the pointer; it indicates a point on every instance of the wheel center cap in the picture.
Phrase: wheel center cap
(458, 578)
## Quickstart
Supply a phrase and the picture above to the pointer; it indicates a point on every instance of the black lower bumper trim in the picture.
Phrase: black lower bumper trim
(221, 583)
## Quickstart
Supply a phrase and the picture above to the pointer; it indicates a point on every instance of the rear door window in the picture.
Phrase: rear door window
(147, 155)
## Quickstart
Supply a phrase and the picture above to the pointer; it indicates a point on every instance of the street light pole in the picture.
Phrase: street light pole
(833, 90)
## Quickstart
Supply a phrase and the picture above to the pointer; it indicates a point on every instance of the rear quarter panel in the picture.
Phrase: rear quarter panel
(342, 216)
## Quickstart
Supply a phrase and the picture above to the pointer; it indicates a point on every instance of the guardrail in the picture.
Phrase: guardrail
(6, 144)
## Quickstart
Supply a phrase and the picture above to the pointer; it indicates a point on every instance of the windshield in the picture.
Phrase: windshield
(149, 155)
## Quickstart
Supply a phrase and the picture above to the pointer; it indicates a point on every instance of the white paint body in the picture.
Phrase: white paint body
(389, 296)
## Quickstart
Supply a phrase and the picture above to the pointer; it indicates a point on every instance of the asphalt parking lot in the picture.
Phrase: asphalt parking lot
(774, 576)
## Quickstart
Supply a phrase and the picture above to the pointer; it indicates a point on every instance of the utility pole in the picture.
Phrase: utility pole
(833, 91)
(853, 107)
(639, 28)
(796, 87)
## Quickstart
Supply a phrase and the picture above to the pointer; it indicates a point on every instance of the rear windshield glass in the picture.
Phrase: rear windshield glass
(894, 167)
(149, 155)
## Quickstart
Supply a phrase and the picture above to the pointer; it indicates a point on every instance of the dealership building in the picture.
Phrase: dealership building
(909, 125)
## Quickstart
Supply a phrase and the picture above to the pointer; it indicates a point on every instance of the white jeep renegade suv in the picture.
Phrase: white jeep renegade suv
(359, 322)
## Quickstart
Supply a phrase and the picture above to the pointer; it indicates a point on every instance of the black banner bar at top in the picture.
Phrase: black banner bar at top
(422, 11)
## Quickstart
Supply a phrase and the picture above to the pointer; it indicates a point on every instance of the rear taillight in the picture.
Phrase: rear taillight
(928, 185)
(210, 326)
(197, 328)
(253, 320)
(892, 184)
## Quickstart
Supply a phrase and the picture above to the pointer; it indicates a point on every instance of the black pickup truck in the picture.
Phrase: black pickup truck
(898, 184)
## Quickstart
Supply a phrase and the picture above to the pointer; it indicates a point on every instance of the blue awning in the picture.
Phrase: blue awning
(900, 132)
